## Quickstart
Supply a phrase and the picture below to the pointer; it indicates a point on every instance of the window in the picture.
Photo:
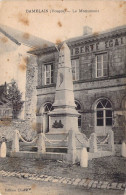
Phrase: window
(101, 65)
(75, 69)
(48, 74)
(104, 113)
(78, 108)
(46, 109)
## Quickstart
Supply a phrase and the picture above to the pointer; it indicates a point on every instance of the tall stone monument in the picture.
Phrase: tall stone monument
(63, 120)
(64, 117)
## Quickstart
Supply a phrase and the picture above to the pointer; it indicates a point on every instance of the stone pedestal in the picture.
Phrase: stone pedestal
(63, 123)
(84, 158)
(15, 143)
(3, 150)
(93, 143)
(71, 154)
(41, 143)
(111, 141)
(123, 150)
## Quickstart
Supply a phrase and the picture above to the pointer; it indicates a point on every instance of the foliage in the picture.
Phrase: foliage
(14, 96)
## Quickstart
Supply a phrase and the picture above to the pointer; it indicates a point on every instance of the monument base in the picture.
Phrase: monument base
(63, 119)
(61, 140)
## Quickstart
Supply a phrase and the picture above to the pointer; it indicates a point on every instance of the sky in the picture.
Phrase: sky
(53, 24)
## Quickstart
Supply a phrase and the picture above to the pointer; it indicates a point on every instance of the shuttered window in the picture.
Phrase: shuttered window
(101, 65)
(48, 74)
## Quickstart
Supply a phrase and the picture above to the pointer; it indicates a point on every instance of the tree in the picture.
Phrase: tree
(14, 96)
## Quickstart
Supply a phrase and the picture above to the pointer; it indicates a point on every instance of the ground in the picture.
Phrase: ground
(111, 169)
(19, 176)
(15, 186)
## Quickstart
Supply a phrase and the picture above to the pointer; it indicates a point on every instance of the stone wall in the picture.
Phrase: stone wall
(87, 101)
(31, 93)
(87, 98)
(116, 63)
(7, 129)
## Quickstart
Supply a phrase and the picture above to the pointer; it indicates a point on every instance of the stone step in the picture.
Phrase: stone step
(36, 155)
(48, 149)
(103, 147)
(99, 154)
(57, 150)
(56, 156)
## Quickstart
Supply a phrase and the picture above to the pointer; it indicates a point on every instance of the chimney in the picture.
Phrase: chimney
(87, 30)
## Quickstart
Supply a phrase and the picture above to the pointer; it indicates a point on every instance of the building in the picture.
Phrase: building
(99, 77)
(14, 56)
(19, 65)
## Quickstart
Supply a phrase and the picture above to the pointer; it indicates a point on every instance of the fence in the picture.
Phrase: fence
(72, 143)
(94, 141)
(17, 137)
(41, 139)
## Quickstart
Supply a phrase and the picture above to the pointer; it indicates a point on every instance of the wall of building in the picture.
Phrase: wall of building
(116, 57)
(31, 94)
(87, 98)
(89, 89)
(7, 129)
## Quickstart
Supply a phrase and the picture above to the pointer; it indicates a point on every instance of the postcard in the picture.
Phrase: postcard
(62, 97)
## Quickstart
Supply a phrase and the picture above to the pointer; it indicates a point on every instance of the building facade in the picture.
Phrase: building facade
(99, 77)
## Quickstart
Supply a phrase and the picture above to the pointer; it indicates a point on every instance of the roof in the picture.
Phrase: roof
(106, 32)
(19, 37)
(85, 39)
(99, 35)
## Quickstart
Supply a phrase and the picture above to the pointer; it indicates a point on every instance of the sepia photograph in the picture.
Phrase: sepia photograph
(62, 97)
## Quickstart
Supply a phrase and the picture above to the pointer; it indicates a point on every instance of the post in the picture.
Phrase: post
(71, 154)
(93, 143)
(41, 143)
(123, 149)
(84, 158)
(15, 144)
(111, 141)
(3, 150)
(44, 123)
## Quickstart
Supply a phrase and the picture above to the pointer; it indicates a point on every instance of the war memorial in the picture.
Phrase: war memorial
(64, 133)
(74, 117)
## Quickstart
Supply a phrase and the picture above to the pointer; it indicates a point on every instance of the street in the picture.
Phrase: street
(16, 186)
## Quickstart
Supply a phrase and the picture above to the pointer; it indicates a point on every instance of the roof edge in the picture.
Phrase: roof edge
(82, 39)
